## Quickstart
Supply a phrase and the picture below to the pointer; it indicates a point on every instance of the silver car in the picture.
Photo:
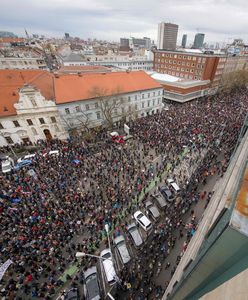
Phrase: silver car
(91, 285)
(122, 249)
(135, 235)
(152, 210)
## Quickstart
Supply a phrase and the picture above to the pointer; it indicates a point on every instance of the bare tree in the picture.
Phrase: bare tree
(113, 105)
(110, 104)
(77, 122)
(234, 80)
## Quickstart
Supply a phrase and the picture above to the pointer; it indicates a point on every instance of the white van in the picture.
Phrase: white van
(108, 266)
(174, 185)
(7, 164)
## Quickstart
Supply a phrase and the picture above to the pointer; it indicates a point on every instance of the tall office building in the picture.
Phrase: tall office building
(184, 40)
(124, 42)
(198, 41)
(67, 35)
(167, 36)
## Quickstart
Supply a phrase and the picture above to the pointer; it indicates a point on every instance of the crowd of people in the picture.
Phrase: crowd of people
(61, 208)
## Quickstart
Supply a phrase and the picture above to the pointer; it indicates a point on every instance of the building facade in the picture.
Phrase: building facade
(187, 65)
(36, 119)
(95, 98)
(167, 36)
(23, 63)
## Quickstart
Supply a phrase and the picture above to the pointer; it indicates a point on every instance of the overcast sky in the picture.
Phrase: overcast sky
(220, 20)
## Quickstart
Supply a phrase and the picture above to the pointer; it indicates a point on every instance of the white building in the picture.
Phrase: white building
(23, 63)
(25, 113)
(38, 105)
(94, 98)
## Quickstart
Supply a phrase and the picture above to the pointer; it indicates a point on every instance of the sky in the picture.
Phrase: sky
(220, 20)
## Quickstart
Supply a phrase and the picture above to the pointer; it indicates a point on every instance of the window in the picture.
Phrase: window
(122, 110)
(159, 93)
(135, 97)
(153, 102)
(9, 140)
(136, 107)
(148, 95)
(158, 101)
(98, 115)
(148, 103)
(42, 121)
(153, 94)
(129, 98)
(87, 106)
(96, 105)
(1, 126)
(16, 123)
(30, 122)
(115, 112)
(53, 119)
(67, 111)
(77, 108)
(143, 96)
(34, 131)
(143, 104)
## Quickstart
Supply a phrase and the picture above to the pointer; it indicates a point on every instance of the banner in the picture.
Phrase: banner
(126, 129)
(4, 267)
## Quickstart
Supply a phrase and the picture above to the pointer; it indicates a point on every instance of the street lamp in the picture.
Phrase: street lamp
(83, 254)
(107, 231)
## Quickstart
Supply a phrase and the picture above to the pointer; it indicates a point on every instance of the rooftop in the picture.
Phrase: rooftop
(12, 80)
(71, 87)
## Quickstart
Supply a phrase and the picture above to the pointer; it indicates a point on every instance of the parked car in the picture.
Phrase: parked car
(29, 157)
(108, 266)
(22, 164)
(152, 210)
(91, 284)
(174, 185)
(135, 235)
(142, 220)
(7, 164)
(72, 294)
(167, 194)
(121, 246)
(160, 200)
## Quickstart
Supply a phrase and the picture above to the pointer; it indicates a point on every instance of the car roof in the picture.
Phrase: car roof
(135, 234)
(154, 211)
(145, 220)
(92, 285)
(105, 251)
(119, 239)
(148, 203)
(137, 213)
(90, 271)
(170, 180)
(129, 226)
